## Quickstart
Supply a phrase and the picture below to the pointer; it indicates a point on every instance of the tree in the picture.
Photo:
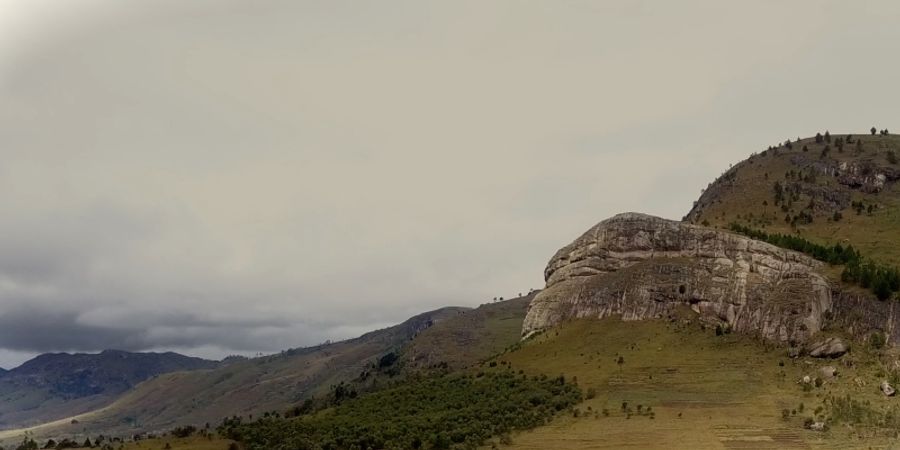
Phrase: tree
(881, 288)
(873, 130)
(827, 136)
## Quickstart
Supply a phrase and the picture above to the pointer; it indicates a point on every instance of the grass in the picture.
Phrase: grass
(704, 391)
(189, 443)
(742, 199)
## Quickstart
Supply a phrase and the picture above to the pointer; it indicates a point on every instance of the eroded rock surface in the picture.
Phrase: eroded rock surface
(643, 267)
(828, 348)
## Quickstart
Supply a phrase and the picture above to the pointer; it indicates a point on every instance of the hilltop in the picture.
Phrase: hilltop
(835, 188)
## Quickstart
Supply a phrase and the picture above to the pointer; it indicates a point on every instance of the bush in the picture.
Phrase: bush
(877, 340)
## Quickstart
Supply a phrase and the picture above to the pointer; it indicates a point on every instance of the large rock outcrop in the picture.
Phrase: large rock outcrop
(643, 267)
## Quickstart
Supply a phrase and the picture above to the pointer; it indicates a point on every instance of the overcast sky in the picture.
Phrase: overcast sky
(218, 177)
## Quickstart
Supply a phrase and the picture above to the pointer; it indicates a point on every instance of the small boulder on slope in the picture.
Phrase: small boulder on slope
(827, 348)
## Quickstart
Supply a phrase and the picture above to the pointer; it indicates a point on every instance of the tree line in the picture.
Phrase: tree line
(883, 280)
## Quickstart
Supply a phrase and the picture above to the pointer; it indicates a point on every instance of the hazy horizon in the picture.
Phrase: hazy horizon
(224, 177)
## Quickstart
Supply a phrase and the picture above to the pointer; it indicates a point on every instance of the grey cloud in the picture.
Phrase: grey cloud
(223, 176)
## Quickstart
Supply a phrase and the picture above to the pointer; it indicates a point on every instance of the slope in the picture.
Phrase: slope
(250, 386)
(653, 383)
(57, 385)
(470, 337)
(834, 189)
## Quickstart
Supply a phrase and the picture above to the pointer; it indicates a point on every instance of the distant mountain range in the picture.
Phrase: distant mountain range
(58, 385)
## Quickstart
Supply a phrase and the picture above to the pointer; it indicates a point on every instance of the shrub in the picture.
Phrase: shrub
(877, 340)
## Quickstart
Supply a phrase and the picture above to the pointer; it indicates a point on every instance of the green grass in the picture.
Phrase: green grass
(705, 391)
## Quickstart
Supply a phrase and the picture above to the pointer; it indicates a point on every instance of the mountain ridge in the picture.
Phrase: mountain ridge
(56, 385)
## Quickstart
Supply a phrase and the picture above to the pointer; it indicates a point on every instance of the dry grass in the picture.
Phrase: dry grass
(470, 337)
(190, 443)
(705, 391)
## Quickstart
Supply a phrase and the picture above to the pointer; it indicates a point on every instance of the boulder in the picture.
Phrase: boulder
(831, 347)
(828, 372)
(817, 426)
(887, 389)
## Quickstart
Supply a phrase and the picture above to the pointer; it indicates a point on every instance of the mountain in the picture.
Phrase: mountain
(58, 385)
(254, 386)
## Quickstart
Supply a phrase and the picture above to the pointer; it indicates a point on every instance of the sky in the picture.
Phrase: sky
(224, 177)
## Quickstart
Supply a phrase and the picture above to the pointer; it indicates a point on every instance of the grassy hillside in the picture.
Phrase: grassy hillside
(244, 387)
(813, 187)
(190, 443)
(258, 385)
(470, 337)
(686, 385)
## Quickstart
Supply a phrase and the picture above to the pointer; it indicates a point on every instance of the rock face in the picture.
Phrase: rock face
(860, 314)
(643, 267)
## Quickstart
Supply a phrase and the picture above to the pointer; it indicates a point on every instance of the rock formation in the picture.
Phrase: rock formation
(643, 267)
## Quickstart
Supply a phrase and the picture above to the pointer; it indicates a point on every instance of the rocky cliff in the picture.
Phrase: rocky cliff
(641, 267)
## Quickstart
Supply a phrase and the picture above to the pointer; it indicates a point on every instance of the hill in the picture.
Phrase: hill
(834, 189)
(470, 337)
(247, 387)
(664, 383)
(57, 385)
